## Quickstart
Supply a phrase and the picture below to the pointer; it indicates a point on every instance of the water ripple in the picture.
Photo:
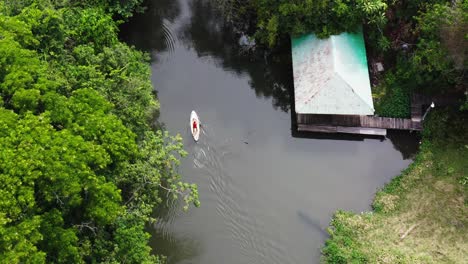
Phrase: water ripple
(169, 40)
(247, 232)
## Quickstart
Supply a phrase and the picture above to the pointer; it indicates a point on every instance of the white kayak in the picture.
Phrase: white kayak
(195, 131)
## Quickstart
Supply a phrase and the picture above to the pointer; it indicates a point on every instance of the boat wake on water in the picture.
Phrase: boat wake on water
(207, 155)
(211, 158)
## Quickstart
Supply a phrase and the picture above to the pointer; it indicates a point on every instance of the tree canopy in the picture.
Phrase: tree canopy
(273, 19)
(81, 168)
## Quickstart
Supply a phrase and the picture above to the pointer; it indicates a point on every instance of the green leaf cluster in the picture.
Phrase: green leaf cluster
(440, 56)
(392, 97)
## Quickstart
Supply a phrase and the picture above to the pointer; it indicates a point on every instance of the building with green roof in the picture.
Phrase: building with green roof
(331, 76)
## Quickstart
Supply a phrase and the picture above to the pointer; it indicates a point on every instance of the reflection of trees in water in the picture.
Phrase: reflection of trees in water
(147, 31)
(164, 240)
(405, 142)
(208, 36)
(176, 249)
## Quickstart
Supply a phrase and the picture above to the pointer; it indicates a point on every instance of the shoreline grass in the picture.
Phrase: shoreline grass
(421, 216)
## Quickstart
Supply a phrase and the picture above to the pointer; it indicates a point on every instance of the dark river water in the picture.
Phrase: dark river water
(267, 193)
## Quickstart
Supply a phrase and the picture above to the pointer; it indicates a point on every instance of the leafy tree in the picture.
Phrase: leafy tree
(440, 54)
(90, 26)
(43, 170)
(123, 8)
(119, 73)
(47, 26)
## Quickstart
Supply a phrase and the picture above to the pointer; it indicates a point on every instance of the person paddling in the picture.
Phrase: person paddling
(195, 127)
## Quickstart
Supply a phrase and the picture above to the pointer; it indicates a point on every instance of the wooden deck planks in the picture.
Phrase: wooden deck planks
(369, 125)
(387, 123)
(342, 129)
(358, 121)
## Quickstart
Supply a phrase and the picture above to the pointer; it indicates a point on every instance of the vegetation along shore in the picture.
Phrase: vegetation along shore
(81, 168)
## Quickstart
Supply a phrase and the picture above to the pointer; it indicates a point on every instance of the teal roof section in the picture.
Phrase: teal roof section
(331, 75)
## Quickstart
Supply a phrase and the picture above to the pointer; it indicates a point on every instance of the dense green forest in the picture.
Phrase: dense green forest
(81, 167)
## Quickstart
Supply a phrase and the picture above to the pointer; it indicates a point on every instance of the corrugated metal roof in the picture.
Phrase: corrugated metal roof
(331, 76)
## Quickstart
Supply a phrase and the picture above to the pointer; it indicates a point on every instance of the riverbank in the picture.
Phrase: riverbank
(421, 215)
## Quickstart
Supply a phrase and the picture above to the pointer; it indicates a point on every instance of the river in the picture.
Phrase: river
(267, 193)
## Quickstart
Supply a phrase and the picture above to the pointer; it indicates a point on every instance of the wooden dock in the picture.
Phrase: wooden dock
(342, 129)
(366, 125)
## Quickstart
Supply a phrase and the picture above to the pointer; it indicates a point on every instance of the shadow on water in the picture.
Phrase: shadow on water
(270, 76)
(176, 249)
(406, 142)
(312, 223)
(149, 31)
